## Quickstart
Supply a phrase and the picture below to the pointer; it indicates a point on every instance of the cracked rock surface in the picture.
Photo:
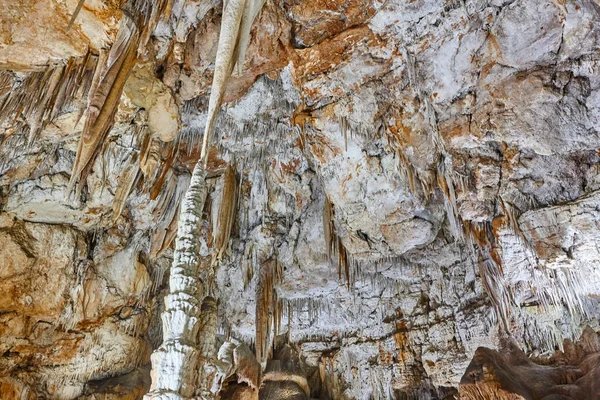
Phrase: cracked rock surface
(418, 181)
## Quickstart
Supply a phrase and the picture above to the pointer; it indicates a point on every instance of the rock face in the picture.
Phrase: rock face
(572, 374)
(64, 297)
(414, 187)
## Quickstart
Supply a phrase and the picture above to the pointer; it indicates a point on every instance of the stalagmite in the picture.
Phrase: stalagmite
(285, 377)
(236, 358)
(207, 335)
(175, 363)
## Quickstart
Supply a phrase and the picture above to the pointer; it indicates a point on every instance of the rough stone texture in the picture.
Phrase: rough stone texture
(34, 33)
(572, 374)
(382, 108)
(62, 301)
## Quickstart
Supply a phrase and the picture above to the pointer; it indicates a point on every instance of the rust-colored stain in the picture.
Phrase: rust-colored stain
(401, 340)
(493, 44)
(291, 167)
(385, 357)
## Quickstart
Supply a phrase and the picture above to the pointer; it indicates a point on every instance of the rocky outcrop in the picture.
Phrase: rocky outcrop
(509, 374)
(64, 296)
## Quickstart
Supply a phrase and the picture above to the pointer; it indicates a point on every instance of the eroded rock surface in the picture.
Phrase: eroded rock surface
(508, 373)
(413, 178)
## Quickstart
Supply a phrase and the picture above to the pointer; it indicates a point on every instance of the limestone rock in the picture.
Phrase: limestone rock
(509, 374)
(452, 144)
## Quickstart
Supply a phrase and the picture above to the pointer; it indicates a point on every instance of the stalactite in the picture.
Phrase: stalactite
(137, 23)
(125, 185)
(157, 275)
(328, 227)
(344, 126)
(238, 16)
(334, 246)
(248, 264)
(266, 304)
(312, 307)
(150, 160)
(183, 277)
(6, 82)
(496, 288)
(411, 175)
(41, 96)
(512, 215)
(105, 99)
(251, 10)
(562, 286)
(170, 375)
(226, 213)
(450, 183)
(558, 287)
(166, 213)
(165, 169)
(75, 14)
(167, 237)
(447, 184)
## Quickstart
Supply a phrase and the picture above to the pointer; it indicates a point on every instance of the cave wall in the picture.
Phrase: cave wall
(452, 145)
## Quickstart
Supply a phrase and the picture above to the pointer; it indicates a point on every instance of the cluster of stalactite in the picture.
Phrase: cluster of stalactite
(138, 22)
(29, 103)
(184, 366)
(477, 237)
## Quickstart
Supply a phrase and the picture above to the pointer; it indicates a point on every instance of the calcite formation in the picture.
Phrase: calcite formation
(572, 374)
(394, 199)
